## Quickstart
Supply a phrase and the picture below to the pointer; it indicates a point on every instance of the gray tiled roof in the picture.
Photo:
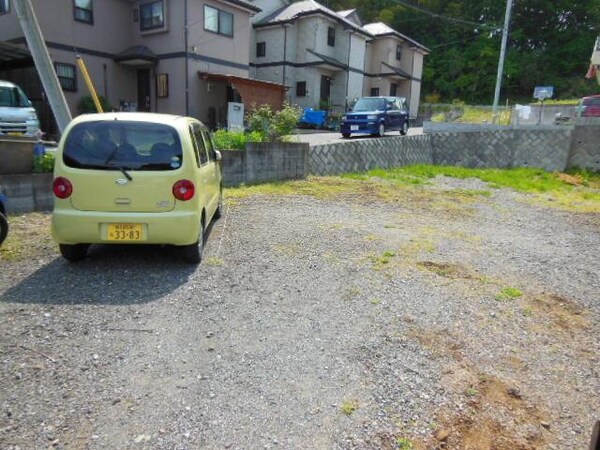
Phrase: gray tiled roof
(304, 8)
(244, 3)
(381, 29)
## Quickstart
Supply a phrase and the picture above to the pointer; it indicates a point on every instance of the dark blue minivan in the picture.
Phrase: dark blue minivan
(376, 115)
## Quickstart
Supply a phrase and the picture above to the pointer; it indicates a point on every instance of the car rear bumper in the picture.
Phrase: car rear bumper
(91, 227)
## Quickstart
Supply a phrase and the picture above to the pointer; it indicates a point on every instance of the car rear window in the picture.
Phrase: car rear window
(124, 144)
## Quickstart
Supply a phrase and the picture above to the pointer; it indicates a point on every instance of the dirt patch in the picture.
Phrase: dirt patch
(449, 270)
(564, 313)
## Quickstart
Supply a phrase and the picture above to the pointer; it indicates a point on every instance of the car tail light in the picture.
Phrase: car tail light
(62, 187)
(183, 190)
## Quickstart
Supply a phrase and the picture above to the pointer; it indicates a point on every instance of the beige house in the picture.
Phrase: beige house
(318, 53)
(328, 57)
(171, 56)
(394, 65)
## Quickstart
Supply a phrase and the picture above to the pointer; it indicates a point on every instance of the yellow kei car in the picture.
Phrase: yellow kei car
(135, 178)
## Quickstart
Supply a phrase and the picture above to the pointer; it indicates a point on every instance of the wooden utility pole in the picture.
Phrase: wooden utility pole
(43, 63)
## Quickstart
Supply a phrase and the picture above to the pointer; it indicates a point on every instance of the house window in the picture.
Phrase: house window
(374, 92)
(67, 76)
(83, 11)
(152, 15)
(331, 36)
(398, 52)
(261, 49)
(162, 85)
(393, 89)
(4, 6)
(301, 89)
(218, 21)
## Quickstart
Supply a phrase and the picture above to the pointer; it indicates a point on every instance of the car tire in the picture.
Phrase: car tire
(3, 228)
(73, 253)
(345, 135)
(219, 210)
(381, 130)
(193, 253)
(404, 129)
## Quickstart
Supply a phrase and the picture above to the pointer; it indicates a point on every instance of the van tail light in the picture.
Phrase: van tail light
(62, 187)
(183, 190)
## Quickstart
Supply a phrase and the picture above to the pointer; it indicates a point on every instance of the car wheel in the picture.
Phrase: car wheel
(3, 228)
(345, 135)
(74, 252)
(404, 129)
(193, 252)
(219, 211)
(381, 130)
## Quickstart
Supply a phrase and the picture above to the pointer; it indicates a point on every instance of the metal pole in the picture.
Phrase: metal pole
(89, 84)
(43, 63)
(187, 75)
(501, 61)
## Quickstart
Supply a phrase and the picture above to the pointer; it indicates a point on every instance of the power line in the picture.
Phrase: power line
(448, 18)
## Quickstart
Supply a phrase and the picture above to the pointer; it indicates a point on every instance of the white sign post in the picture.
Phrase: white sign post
(542, 93)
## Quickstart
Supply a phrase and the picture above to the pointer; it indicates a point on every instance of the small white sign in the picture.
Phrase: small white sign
(235, 116)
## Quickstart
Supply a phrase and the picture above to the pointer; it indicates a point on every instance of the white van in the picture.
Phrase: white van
(17, 115)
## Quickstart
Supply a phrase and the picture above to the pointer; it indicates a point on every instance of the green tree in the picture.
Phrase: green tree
(550, 43)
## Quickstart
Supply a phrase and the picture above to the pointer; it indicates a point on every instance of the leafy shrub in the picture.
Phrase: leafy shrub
(274, 125)
(43, 163)
(235, 140)
(86, 105)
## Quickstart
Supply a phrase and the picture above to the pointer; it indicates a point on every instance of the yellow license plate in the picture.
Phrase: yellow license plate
(125, 232)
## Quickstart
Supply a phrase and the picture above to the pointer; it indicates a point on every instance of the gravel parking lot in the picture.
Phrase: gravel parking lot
(364, 316)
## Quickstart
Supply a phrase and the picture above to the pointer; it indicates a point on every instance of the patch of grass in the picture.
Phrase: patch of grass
(379, 261)
(578, 191)
(509, 293)
(403, 443)
(349, 407)
(375, 301)
(28, 237)
(214, 261)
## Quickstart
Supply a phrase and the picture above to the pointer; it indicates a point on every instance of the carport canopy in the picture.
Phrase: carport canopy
(253, 92)
(13, 56)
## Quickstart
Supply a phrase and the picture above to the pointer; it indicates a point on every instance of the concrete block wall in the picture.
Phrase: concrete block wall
(585, 146)
(262, 162)
(27, 192)
(547, 149)
(358, 155)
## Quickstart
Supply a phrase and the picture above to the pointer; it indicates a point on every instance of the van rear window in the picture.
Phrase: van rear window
(123, 144)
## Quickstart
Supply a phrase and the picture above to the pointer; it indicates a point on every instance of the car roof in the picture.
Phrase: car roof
(131, 116)
(4, 83)
(384, 96)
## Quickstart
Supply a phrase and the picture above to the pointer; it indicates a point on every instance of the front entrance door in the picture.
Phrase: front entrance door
(143, 85)
(325, 89)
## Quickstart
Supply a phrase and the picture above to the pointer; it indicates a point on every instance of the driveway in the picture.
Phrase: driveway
(315, 137)
(349, 315)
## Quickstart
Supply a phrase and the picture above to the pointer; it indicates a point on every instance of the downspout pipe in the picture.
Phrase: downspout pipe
(285, 27)
(348, 68)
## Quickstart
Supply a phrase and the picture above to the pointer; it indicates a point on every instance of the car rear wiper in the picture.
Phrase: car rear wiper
(122, 170)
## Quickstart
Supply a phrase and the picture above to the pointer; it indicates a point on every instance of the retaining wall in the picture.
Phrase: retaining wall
(261, 162)
(550, 148)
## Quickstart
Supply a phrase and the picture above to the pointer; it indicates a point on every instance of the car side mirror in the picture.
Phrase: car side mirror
(218, 155)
